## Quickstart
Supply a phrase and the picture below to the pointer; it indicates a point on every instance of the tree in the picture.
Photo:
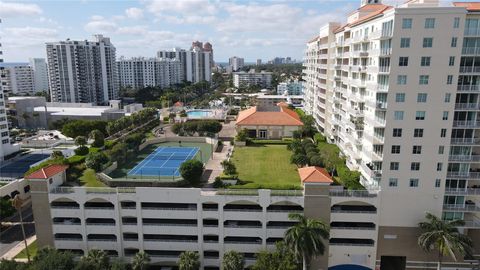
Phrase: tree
(299, 159)
(57, 154)
(189, 260)
(242, 135)
(118, 265)
(233, 260)
(50, 258)
(228, 167)
(77, 128)
(99, 258)
(118, 153)
(98, 138)
(7, 208)
(140, 261)
(191, 171)
(282, 258)
(12, 265)
(306, 237)
(443, 236)
(80, 140)
(96, 160)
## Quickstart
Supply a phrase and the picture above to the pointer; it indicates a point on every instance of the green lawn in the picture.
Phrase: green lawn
(89, 179)
(32, 251)
(266, 166)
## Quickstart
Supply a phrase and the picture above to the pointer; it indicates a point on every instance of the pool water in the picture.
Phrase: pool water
(199, 114)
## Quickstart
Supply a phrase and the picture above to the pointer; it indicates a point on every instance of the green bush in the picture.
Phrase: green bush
(109, 144)
(191, 171)
(7, 208)
(76, 159)
(81, 151)
(242, 135)
(218, 183)
(96, 160)
(77, 128)
(270, 142)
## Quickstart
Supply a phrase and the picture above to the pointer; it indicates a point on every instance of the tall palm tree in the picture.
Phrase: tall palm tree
(306, 237)
(97, 257)
(140, 261)
(189, 260)
(233, 260)
(443, 236)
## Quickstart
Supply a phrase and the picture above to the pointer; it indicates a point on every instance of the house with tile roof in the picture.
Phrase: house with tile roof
(268, 122)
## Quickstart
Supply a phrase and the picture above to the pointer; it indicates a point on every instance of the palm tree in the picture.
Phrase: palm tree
(97, 257)
(140, 261)
(443, 236)
(306, 237)
(189, 260)
(233, 260)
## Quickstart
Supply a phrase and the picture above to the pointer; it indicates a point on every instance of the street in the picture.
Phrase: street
(12, 235)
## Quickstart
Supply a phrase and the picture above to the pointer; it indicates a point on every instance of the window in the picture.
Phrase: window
(439, 166)
(5, 134)
(441, 149)
(417, 149)
(430, 23)
(415, 166)
(456, 22)
(394, 166)
(405, 43)
(402, 79)
(398, 115)
(403, 61)
(449, 79)
(445, 115)
(418, 132)
(395, 149)
(413, 182)
(407, 23)
(425, 61)
(427, 42)
(422, 97)
(423, 79)
(400, 97)
(451, 61)
(393, 182)
(438, 183)
(443, 132)
(420, 115)
(453, 43)
(5, 141)
(397, 132)
(447, 97)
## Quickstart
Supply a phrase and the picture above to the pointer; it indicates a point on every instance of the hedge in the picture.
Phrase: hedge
(270, 142)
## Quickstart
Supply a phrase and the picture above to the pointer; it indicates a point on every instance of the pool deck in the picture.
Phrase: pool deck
(216, 114)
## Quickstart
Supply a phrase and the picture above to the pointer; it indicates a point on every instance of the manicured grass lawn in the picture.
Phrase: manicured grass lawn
(266, 166)
(89, 179)
(32, 250)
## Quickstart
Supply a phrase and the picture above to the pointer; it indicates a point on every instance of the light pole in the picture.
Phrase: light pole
(17, 204)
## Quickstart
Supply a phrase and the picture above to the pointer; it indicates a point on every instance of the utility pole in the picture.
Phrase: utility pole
(17, 204)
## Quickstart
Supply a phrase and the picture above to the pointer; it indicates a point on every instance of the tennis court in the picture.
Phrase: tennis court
(164, 161)
(20, 166)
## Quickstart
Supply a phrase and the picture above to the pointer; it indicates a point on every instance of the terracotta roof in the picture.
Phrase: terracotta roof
(470, 6)
(47, 172)
(253, 117)
(178, 104)
(375, 9)
(313, 39)
(314, 174)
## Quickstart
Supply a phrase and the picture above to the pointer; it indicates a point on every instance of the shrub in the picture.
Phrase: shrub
(176, 128)
(318, 137)
(76, 159)
(191, 171)
(109, 144)
(81, 151)
(96, 160)
(77, 128)
(228, 167)
(7, 208)
(218, 183)
(98, 138)
(57, 154)
(242, 135)
(80, 140)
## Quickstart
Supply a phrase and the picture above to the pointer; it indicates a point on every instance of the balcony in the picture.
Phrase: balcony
(470, 51)
(466, 124)
(466, 158)
(352, 193)
(461, 207)
(469, 69)
(468, 88)
(464, 175)
(467, 106)
(462, 191)
(380, 105)
(371, 171)
(465, 141)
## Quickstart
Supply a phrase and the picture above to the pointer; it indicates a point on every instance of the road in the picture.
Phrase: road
(12, 235)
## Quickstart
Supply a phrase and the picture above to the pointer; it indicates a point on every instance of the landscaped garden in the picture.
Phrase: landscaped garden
(265, 166)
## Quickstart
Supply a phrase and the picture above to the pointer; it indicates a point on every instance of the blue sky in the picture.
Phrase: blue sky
(249, 29)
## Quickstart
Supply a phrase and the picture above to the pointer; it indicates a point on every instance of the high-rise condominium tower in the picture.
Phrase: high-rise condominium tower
(82, 71)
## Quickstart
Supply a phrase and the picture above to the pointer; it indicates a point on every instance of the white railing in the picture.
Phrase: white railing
(462, 191)
(469, 175)
(464, 157)
(352, 193)
(468, 87)
(460, 207)
(469, 69)
(467, 106)
(465, 141)
(466, 123)
(471, 50)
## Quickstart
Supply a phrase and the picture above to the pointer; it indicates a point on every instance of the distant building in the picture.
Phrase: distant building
(143, 72)
(40, 74)
(245, 79)
(259, 62)
(196, 62)
(291, 87)
(82, 71)
(17, 78)
(236, 63)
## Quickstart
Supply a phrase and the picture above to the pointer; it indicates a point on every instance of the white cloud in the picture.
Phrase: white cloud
(99, 24)
(132, 30)
(31, 32)
(134, 13)
(191, 7)
(8, 9)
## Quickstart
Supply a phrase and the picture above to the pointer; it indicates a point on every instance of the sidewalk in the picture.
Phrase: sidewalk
(214, 165)
(18, 248)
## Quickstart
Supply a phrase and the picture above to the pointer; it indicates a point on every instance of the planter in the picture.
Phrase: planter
(238, 143)
(229, 182)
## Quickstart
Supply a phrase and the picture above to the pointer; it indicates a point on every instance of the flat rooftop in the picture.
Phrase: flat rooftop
(84, 111)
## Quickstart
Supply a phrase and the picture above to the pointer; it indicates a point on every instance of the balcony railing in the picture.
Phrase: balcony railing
(352, 193)
(469, 69)
(465, 141)
(467, 88)
(464, 175)
(461, 207)
(471, 50)
(464, 158)
(354, 228)
(462, 191)
(467, 106)
(466, 123)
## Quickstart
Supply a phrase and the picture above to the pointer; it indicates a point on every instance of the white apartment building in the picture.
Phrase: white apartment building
(236, 63)
(142, 72)
(82, 71)
(291, 87)
(17, 78)
(245, 79)
(196, 62)
(40, 74)
(396, 88)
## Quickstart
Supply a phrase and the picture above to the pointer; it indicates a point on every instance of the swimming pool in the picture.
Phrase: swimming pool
(197, 114)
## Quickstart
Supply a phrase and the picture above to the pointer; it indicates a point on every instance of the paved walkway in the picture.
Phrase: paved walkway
(18, 248)
(214, 165)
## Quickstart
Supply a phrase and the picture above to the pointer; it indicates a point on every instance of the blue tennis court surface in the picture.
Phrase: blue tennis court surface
(164, 161)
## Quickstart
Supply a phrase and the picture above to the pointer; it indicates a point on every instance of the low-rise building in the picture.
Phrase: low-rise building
(293, 87)
(252, 78)
(268, 122)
